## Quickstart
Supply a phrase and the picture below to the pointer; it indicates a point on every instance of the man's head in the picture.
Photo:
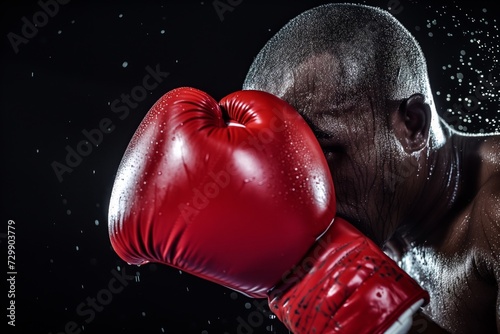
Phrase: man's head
(360, 79)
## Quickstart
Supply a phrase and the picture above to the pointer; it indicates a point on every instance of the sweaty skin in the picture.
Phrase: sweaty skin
(428, 194)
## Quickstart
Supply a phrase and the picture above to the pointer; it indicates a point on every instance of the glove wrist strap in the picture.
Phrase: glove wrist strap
(345, 284)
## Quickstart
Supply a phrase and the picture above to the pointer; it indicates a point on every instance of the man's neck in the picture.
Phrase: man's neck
(449, 186)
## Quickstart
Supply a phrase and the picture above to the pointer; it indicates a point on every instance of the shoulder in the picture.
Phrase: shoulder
(485, 213)
(489, 153)
(487, 204)
(486, 218)
(487, 201)
(488, 196)
(488, 239)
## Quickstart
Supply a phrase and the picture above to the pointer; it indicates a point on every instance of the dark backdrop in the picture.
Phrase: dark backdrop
(60, 78)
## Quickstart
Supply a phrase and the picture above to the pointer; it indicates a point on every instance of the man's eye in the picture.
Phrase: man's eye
(320, 134)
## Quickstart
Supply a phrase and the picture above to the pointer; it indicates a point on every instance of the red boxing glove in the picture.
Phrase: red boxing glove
(240, 193)
(234, 193)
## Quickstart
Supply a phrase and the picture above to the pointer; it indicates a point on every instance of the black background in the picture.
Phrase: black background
(62, 81)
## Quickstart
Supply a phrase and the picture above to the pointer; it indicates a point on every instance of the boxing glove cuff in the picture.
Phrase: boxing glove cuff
(345, 284)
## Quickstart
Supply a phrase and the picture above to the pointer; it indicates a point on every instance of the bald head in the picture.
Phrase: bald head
(366, 43)
(354, 49)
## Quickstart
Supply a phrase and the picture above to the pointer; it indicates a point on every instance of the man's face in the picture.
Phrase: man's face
(360, 149)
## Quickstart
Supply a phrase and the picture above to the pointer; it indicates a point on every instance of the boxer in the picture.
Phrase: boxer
(428, 194)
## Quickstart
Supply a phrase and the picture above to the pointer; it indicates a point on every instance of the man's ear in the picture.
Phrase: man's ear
(411, 123)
